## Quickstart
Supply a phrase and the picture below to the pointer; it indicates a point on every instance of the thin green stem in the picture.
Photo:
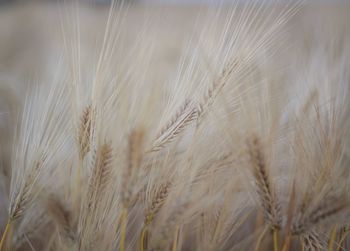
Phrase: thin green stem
(275, 240)
(343, 238)
(260, 239)
(123, 223)
(4, 235)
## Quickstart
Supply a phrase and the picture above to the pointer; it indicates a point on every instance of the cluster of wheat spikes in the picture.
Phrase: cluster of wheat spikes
(228, 155)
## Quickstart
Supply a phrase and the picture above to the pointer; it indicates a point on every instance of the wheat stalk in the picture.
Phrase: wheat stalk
(344, 233)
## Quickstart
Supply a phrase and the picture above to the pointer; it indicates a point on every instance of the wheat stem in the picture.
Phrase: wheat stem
(332, 239)
(290, 213)
(217, 226)
(275, 240)
(176, 236)
(260, 239)
(286, 245)
(123, 222)
(343, 238)
(142, 237)
(77, 186)
(7, 228)
(302, 243)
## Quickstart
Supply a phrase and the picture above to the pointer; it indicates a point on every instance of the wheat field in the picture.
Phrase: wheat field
(165, 127)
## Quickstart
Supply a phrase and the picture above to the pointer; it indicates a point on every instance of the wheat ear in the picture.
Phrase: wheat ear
(134, 161)
(84, 136)
(327, 209)
(22, 199)
(84, 132)
(100, 172)
(187, 112)
(312, 242)
(152, 211)
(97, 183)
(211, 93)
(177, 124)
(181, 110)
(157, 203)
(267, 197)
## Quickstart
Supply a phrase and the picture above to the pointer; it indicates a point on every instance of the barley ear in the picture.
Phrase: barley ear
(132, 172)
(312, 242)
(157, 203)
(100, 172)
(84, 133)
(268, 199)
(187, 114)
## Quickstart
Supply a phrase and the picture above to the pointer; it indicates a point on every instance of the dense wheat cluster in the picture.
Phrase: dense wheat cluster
(242, 145)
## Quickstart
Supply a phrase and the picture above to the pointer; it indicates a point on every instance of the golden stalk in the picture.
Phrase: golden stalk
(4, 235)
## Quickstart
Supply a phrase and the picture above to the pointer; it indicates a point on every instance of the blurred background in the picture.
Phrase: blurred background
(31, 41)
(168, 1)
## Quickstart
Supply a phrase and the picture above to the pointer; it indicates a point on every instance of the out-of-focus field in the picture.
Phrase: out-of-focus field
(31, 43)
(31, 35)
